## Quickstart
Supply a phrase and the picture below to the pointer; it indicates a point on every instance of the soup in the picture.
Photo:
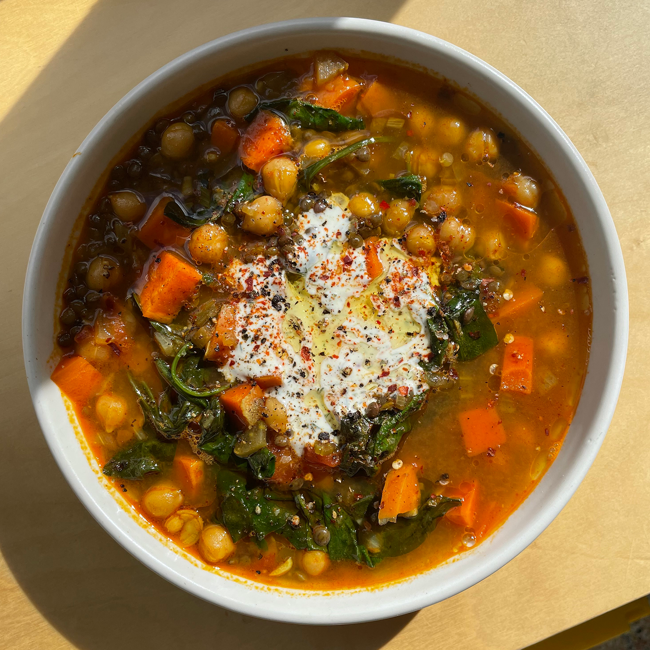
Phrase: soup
(326, 326)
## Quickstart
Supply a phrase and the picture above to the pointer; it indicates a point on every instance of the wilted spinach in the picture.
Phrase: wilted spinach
(370, 442)
(138, 460)
(406, 535)
(310, 116)
(409, 186)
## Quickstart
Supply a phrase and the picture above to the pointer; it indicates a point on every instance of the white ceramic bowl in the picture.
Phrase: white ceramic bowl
(608, 349)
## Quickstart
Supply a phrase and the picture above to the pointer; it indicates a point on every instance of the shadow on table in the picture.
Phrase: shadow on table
(90, 589)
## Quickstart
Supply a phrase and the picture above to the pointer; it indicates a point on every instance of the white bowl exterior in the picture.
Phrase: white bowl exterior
(610, 324)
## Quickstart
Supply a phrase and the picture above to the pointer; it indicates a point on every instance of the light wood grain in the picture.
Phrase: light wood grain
(63, 582)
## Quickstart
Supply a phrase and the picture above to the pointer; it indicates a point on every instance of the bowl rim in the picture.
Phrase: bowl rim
(613, 381)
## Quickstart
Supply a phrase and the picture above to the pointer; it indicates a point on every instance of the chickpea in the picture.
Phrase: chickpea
(187, 524)
(318, 148)
(208, 244)
(441, 198)
(422, 122)
(280, 176)
(420, 240)
(458, 235)
(398, 216)
(111, 411)
(241, 101)
(553, 271)
(263, 216)
(554, 343)
(481, 146)
(177, 141)
(527, 190)
(94, 353)
(216, 544)
(363, 205)
(128, 205)
(161, 501)
(103, 273)
(315, 562)
(425, 162)
(450, 130)
(495, 247)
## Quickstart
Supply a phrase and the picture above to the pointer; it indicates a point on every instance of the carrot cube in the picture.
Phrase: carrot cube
(401, 493)
(482, 430)
(338, 93)
(378, 98)
(268, 381)
(522, 298)
(465, 514)
(517, 373)
(159, 230)
(524, 222)
(172, 282)
(224, 136)
(77, 379)
(266, 137)
(245, 402)
(224, 338)
(190, 470)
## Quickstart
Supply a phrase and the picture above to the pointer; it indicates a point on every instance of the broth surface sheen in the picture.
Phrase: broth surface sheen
(327, 325)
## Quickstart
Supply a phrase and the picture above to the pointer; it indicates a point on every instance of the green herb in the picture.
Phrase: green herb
(250, 511)
(393, 427)
(187, 219)
(311, 171)
(262, 464)
(409, 186)
(242, 193)
(368, 443)
(179, 384)
(142, 458)
(406, 535)
(310, 116)
(469, 325)
(343, 543)
(167, 419)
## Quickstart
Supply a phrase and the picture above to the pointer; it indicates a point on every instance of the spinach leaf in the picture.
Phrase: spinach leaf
(393, 427)
(409, 186)
(242, 193)
(355, 433)
(174, 211)
(249, 511)
(190, 372)
(213, 205)
(167, 419)
(262, 464)
(440, 342)
(313, 169)
(369, 443)
(343, 544)
(469, 325)
(407, 534)
(142, 458)
(310, 116)
(215, 440)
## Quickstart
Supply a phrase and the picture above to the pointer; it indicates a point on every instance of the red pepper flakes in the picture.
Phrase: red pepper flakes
(384, 206)
(409, 133)
(403, 390)
(305, 353)
(392, 388)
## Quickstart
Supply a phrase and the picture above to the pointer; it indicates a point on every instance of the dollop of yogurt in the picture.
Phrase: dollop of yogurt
(339, 338)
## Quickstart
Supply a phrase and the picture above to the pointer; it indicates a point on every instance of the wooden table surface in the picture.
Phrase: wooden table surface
(64, 583)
